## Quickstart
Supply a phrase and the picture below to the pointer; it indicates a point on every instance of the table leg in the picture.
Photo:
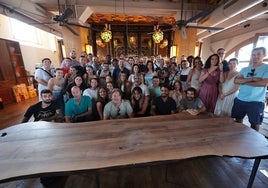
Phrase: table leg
(97, 180)
(253, 172)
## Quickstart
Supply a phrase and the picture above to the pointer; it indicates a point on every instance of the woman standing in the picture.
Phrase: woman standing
(194, 74)
(149, 74)
(177, 93)
(90, 74)
(109, 87)
(92, 91)
(228, 90)
(78, 81)
(185, 69)
(174, 75)
(134, 71)
(57, 84)
(124, 85)
(210, 77)
(69, 77)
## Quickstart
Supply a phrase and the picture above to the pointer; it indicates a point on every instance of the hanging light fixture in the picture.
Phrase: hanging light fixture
(106, 34)
(115, 43)
(164, 43)
(132, 39)
(158, 36)
(100, 43)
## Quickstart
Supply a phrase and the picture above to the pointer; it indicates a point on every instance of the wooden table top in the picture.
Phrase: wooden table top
(36, 148)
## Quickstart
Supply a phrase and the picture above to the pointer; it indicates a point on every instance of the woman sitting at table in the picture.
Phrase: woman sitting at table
(101, 101)
(139, 103)
(117, 108)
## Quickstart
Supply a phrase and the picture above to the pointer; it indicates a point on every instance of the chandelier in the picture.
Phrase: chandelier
(106, 35)
(158, 36)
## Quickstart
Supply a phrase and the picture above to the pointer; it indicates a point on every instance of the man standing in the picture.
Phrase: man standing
(73, 58)
(121, 68)
(45, 110)
(154, 89)
(43, 74)
(221, 53)
(163, 104)
(253, 82)
(78, 108)
(138, 82)
(192, 104)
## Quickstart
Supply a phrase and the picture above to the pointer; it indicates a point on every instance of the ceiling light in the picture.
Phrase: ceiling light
(164, 43)
(158, 36)
(106, 35)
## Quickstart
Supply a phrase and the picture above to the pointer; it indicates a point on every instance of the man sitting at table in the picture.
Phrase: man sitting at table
(45, 110)
(192, 104)
(78, 108)
(117, 108)
(163, 104)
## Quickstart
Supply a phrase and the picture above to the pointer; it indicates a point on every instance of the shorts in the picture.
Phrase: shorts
(254, 111)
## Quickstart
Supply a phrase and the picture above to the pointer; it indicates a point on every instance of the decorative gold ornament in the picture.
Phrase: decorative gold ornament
(158, 36)
(164, 43)
(106, 35)
(100, 43)
(132, 40)
(115, 43)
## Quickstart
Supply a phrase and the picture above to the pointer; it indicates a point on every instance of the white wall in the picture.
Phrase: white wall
(31, 55)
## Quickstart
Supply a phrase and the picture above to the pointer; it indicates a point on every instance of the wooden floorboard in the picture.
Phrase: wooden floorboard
(200, 172)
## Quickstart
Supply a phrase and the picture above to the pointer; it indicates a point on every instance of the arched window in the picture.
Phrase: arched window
(243, 50)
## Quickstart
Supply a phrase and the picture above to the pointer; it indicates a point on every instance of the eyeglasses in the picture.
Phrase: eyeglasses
(251, 73)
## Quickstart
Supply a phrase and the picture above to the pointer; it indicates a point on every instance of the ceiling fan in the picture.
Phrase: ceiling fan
(62, 20)
(182, 24)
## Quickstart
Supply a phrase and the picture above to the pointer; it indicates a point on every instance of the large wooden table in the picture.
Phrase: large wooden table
(44, 148)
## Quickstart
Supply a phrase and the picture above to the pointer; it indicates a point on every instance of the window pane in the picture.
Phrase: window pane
(232, 55)
(23, 31)
(244, 53)
(263, 42)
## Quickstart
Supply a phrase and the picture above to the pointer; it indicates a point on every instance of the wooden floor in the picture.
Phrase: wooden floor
(202, 172)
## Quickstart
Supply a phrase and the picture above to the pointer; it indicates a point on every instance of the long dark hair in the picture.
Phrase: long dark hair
(208, 61)
(141, 100)
(100, 99)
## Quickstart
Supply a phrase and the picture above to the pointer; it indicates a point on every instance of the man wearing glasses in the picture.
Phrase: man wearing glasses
(117, 108)
(253, 81)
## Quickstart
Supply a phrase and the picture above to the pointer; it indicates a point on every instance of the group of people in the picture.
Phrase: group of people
(87, 90)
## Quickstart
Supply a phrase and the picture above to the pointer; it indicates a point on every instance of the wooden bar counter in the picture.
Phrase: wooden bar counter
(45, 148)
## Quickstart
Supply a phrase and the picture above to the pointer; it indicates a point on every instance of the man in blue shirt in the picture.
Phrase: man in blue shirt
(78, 108)
(253, 82)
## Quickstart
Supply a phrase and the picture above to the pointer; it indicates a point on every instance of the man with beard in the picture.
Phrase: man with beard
(73, 58)
(163, 105)
(192, 104)
(45, 110)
